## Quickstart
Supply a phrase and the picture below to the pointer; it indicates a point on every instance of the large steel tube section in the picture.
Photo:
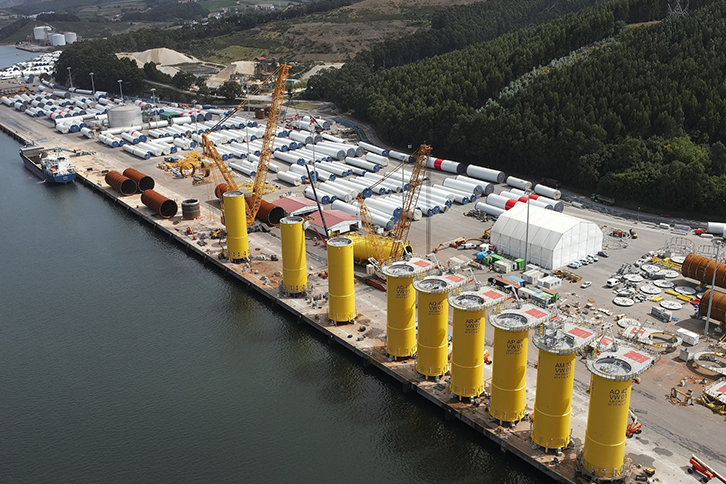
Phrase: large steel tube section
(701, 269)
(341, 280)
(120, 183)
(433, 324)
(269, 213)
(165, 207)
(235, 219)
(144, 182)
(467, 353)
(487, 174)
(294, 262)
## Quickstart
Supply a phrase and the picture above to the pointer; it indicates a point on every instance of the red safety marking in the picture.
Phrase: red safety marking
(493, 294)
(422, 263)
(509, 204)
(536, 313)
(635, 356)
(580, 333)
(437, 163)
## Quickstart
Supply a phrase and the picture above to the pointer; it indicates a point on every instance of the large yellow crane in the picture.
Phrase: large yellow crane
(258, 186)
(418, 174)
(399, 234)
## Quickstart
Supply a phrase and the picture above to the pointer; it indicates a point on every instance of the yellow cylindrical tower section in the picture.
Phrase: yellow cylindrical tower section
(607, 422)
(558, 343)
(401, 312)
(553, 403)
(341, 282)
(433, 327)
(235, 220)
(401, 305)
(509, 368)
(612, 371)
(467, 355)
(294, 263)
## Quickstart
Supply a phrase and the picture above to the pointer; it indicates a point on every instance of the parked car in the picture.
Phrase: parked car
(586, 284)
(573, 265)
(602, 253)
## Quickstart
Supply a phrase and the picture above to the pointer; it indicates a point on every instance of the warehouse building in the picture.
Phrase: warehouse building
(555, 239)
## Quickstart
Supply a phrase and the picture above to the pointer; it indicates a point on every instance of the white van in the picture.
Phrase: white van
(613, 282)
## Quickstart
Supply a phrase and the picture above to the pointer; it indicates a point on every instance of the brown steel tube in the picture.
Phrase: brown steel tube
(121, 183)
(159, 203)
(220, 189)
(701, 269)
(269, 213)
(718, 308)
(144, 182)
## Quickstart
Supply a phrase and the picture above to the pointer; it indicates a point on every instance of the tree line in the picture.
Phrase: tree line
(634, 113)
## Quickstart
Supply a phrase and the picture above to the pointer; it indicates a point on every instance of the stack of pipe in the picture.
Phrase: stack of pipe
(373, 148)
(322, 197)
(557, 205)
(379, 218)
(489, 209)
(363, 164)
(446, 165)
(546, 191)
(525, 199)
(486, 174)
(519, 183)
(464, 185)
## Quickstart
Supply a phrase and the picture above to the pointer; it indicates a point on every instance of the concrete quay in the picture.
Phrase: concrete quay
(671, 433)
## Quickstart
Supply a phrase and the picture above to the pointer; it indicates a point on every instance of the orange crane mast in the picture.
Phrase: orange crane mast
(209, 150)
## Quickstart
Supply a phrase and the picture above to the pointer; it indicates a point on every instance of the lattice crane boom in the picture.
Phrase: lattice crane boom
(418, 174)
(258, 187)
(372, 239)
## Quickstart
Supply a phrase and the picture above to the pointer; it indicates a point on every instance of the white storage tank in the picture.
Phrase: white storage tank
(126, 115)
(57, 40)
(70, 37)
(39, 33)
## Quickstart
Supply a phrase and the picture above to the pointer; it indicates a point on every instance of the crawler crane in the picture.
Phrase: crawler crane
(258, 186)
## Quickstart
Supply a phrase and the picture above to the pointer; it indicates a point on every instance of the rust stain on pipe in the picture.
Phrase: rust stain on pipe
(159, 203)
(144, 182)
(121, 183)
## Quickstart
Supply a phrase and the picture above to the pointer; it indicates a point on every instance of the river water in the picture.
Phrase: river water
(124, 360)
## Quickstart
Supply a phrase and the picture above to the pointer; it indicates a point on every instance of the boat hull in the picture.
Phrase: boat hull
(31, 165)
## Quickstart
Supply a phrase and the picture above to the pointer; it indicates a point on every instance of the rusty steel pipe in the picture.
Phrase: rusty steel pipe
(701, 269)
(718, 311)
(220, 189)
(121, 183)
(159, 203)
(269, 213)
(144, 182)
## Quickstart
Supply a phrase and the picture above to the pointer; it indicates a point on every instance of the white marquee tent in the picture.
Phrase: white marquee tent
(555, 239)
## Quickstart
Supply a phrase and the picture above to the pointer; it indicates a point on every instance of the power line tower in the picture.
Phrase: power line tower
(678, 10)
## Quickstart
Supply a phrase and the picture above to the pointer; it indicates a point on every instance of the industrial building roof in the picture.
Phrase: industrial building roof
(555, 239)
(338, 222)
(296, 205)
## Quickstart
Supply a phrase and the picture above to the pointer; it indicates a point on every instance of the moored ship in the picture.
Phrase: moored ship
(51, 165)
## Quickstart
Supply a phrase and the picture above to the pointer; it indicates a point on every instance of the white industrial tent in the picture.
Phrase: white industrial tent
(555, 239)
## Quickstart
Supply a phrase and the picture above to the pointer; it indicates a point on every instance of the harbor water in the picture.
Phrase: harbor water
(125, 360)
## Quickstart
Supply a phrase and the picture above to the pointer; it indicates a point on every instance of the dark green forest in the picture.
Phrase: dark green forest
(634, 112)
